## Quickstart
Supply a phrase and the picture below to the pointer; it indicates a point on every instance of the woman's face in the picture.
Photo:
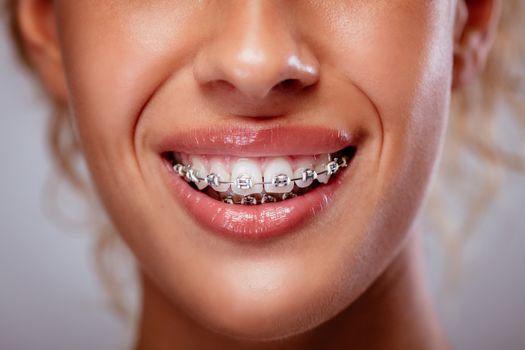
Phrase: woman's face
(260, 82)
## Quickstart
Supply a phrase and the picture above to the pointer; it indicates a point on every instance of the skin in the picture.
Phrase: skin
(130, 69)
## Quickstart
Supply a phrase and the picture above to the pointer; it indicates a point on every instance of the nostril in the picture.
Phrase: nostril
(289, 85)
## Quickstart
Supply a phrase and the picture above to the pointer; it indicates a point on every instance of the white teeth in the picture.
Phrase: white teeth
(303, 164)
(278, 172)
(219, 169)
(246, 179)
(320, 166)
(245, 174)
(199, 166)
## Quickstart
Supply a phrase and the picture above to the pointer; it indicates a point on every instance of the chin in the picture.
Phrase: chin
(265, 317)
(266, 302)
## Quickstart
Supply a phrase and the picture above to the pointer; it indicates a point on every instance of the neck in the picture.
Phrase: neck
(395, 312)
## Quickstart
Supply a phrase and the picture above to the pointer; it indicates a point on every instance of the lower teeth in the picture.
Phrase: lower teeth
(331, 168)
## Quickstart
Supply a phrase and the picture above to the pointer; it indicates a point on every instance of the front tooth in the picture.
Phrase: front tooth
(302, 164)
(246, 174)
(278, 172)
(321, 167)
(219, 169)
(199, 166)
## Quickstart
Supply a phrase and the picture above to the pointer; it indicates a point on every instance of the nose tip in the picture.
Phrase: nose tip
(255, 72)
(255, 56)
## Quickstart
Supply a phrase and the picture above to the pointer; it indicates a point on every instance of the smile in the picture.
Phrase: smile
(253, 184)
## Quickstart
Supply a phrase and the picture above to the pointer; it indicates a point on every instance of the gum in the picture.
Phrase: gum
(228, 161)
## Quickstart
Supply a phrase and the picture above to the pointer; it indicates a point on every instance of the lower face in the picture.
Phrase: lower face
(291, 251)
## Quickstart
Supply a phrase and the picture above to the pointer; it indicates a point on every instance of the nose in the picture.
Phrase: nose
(253, 53)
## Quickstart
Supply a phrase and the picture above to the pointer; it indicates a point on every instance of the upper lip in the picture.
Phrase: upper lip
(249, 141)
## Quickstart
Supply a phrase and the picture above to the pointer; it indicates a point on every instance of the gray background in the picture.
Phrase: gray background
(50, 297)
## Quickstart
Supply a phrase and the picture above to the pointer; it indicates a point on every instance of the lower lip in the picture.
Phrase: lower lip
(257, 222)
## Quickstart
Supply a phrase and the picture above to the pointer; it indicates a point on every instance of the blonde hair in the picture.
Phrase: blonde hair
(472, 128)
(476, 155)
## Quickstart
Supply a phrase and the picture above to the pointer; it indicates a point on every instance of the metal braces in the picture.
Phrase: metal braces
(252, 200)
(245, 182)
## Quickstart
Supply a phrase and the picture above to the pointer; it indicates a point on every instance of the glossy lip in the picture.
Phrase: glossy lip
(257, 142)
(265, 221)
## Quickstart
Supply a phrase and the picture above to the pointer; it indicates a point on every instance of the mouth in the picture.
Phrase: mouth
(254, 184)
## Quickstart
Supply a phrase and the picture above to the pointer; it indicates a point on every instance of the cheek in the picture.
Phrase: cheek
(116, 56)
(403, 64)
(114, 63)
